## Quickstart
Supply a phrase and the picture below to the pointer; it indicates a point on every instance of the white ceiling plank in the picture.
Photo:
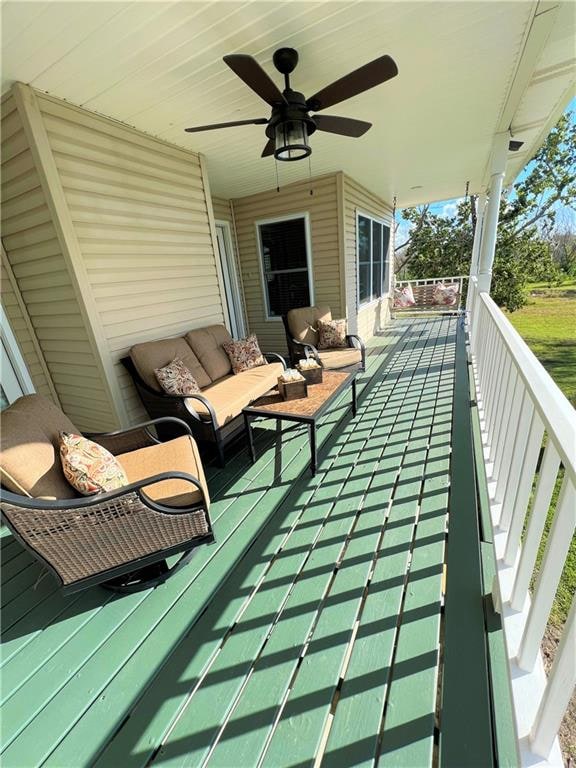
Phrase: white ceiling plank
(115, 62)
(18, 16)
(60, 40)
(91, 52)
(158, 66)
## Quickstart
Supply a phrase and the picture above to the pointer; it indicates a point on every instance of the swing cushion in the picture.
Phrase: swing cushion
(445, 295)
(404, 297)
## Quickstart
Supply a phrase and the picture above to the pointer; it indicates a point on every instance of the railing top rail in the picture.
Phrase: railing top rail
(420, 280)
(558, 416)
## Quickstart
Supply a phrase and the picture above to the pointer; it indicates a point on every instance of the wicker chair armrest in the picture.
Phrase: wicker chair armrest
(355, 341)
(308, 349)
(101, 499)
(207, 404)
(138, 436)
(275, 357)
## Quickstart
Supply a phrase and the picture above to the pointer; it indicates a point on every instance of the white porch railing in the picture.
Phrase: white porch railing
(529, 433)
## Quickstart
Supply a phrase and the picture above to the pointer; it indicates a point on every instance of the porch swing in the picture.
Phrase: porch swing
(435, 295)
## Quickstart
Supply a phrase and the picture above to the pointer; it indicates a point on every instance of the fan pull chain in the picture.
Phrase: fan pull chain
(277, 181)
(394, 209)
(310, 174)
(467, 191)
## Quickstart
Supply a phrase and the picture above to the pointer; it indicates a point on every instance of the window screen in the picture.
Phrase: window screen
(285, 265)
(373, 265)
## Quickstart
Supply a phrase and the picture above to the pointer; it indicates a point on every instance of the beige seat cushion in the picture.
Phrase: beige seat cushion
(29, 455)
(156, 354)
(303, 323)
(340, 357)
(229, 395)
(179, 455)
(207, 345)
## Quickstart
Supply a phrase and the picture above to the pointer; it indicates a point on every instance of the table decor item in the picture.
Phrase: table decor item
(311, 370)
(292, 385)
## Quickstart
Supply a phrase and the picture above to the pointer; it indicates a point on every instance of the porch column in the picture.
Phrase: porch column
(490, 228)
(480, 206)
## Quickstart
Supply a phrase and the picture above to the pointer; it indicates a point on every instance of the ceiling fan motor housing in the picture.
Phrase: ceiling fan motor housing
(295, 109)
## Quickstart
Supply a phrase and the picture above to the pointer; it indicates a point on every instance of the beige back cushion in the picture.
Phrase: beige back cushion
(207, 344)
(29, 455)
(303, 323)
(156, 354)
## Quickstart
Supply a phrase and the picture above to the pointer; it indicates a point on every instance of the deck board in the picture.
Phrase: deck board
(125, 667)
(309, 630)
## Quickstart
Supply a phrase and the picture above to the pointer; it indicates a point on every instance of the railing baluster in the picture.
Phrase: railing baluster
(512, 478)
(526, 475)
(499, 398)
(550, 571)
(543, 494)
(561, 682)
(490, 353)
(504, 419)
(485, 360)
(492, 378)
(514, 437)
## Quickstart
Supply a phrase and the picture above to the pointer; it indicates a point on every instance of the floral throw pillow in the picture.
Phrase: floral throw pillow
(445, 295)
(331, 333)
(177, 379)
(88, 466)
(244, 354)
(404, 297)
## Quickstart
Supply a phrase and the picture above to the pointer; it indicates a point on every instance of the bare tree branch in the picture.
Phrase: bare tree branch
(416, 228)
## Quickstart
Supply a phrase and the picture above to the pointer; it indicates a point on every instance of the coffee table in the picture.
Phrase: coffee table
(305, 410)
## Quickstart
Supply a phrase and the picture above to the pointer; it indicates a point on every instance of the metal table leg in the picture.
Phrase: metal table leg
(313, 449)
(248, 426)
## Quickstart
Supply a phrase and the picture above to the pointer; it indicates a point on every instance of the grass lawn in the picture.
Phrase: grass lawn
(548, 325)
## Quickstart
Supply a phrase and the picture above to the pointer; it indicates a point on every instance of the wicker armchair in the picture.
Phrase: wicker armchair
(302, 340)
(119, 539)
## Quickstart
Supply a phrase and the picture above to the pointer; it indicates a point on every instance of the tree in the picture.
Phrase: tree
(525, 251)
(563, 244)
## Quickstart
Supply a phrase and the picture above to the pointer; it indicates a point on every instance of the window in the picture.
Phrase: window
(284, 255)
(15, 380)
(373, 263)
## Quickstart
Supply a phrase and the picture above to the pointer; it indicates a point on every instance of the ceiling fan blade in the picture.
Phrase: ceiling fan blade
(344, 126)
(258, 121)
(269, 148)
(362, 79)
(254, 76)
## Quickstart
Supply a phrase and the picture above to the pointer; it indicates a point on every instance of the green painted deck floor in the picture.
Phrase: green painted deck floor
(308, 633)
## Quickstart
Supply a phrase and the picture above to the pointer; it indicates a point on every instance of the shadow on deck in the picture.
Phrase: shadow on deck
(311, 629)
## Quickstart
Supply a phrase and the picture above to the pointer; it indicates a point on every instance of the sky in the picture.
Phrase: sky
(448, 208)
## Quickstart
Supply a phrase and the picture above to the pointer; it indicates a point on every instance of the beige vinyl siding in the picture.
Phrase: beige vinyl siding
(43, 281)
(368, 319)
(322, 208)
(140, 215)
(222, 209)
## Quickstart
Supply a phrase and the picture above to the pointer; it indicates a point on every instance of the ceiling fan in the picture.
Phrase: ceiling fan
(291, 123)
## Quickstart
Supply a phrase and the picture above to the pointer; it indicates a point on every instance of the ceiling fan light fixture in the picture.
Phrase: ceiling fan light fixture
(291, 140)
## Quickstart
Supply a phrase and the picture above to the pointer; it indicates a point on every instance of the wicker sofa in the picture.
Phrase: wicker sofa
(302, 339)
(214, 415)
(119, 538)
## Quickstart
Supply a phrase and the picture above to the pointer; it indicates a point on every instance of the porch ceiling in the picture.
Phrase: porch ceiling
(467, 71)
